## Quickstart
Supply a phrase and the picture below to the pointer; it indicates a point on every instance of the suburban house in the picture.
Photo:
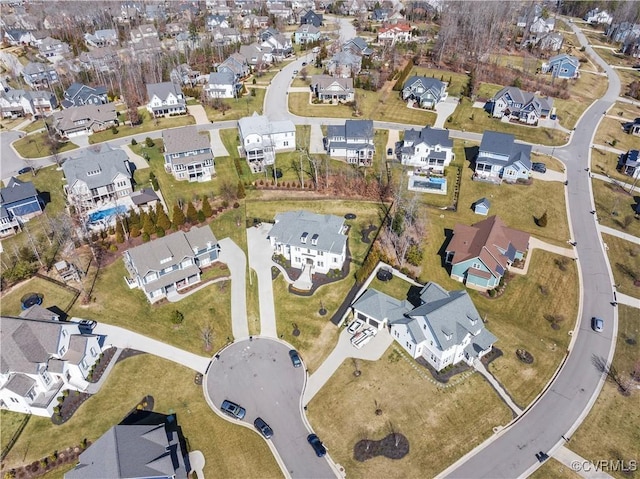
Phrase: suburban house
(52, 49)
(84, 120)
(359, 46)
(183, 74)
(15, 37)
(19, 202)
(629, 163)
(257, 56)
(215, 21)
(166, 99)
(222, 85)
(598, 16)
(429, 149)
(225, 36)
(78, 94)
(169, 264)
(101, 38)
(135, 451)
(631, 127)
(501, 158)
(329, 89)
(236, 64)
(623, 31)
(261, 139)
(562, 66)
(40, 357)
(480, 254)
(279, 45)
(97, 178)
(352, 142)
(444, 329)
(552, 41)
(38, 75)
(399, 32)
(187, 154)
(344, 64)
(426, 92)
(311, 18)
(143, 31)
(19, 103)
(513, 103)
(306, 33)
(310, 240)
(101, 59)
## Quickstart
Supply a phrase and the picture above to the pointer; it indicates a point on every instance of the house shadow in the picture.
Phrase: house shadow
(442, 252)
(60, 313)
(470, 154)
(45, 197)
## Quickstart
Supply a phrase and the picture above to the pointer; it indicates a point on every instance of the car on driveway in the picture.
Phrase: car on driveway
(232, 409)
(597, 324)
(317, 445)
(295, 358)
(389, 151)
(87, 325)
(355, 326)
(263, 428)
(26, 169)
(539, 167)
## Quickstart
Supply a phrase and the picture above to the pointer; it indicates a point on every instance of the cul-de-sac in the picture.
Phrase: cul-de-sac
(319, 239)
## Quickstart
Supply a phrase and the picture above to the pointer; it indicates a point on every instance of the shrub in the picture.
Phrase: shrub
(145, 237)
(134, 232)
(542, 221)
(133, 142)
(225, 204)
(201, 216)
(177, 317)
(159, 232)
(414, 255)
(236, 205)
(113, 248)
(149, 142)
(114, 130)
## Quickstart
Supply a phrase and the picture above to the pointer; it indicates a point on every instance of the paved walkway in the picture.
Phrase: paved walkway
(627, 300)
(539, 244)
(394, 138)
(304, 281)
(137, 160)
(22, 125)
(609, 179)
(94, 388)
(260, 253)
(445, 109)
(578, 464)
(199, 114)
(619, 234)
(550, 175)
(299, 89)
(233, 256)
(478, 366)
(124, 338)
(196, 460)
(608, 148)
(174, 296)
(372, 351)
(217, 147)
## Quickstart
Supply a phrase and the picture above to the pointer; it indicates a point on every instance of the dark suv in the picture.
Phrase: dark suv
(317, 445)
(263, 427)
(539, 167)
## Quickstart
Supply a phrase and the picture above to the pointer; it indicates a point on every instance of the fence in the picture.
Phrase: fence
(15, 437)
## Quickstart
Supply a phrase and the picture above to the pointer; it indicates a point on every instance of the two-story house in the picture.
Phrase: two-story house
(18, 103)
(513, 103)
(40, 357)
(52, 49)
(165, 99)
(19, 202)
(215, 21)
(352, 142)
(562, 66)
(445, 328)
(261, 139)
(311, 18)
(38, 75)
(84, 120)
(332, 89)
(629, 163)
(187, 154)
(236, 64)
(169, 264)
(596, 15)
(306, 34)
(222, 85)
(359, 46)
(399, 32)
(309, 240)
(500, 158)
(344, 64)
(142, 32)
(101, 59)
(426, 92)
(479, 255)
(257, 56)
(97, 178)
(101, 38)
(429, 149)
(78, 94)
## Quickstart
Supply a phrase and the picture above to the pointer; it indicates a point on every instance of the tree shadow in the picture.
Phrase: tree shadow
(442, 252)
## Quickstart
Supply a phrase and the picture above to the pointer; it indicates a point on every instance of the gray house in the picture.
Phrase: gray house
(352, 142)
(427, 92)
(84, 120)
(500, 158)
(513, 103)
(344, 64)
(359, 46)
(133, 451)
(166, 99)
(38, 75)
(169, 264)
(236, 64)
(187, 154)
(78, 94)
(19, 202)
(327, 88)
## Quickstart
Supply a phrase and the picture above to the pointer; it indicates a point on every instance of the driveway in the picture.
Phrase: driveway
(445, 109)
(234, 258)
(199, 114)
(260, 253)
(137, 160)
(258, 375)
(217, 147)
(316, 143)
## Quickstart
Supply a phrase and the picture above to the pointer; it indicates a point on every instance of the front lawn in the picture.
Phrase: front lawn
(615, 207)
(238, 107)
(554, 469)
(230, 451)
(35, 146)
(440, 424)
(605, 162)
(33, 126)
(624, 257)
(610, 133)
(147, 125)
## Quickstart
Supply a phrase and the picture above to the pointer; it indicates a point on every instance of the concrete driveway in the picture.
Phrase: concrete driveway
(316, 143)
(199, 114)
(217, 147)
(445, 109)
(233, 256)
(258, 375)
(260, 253)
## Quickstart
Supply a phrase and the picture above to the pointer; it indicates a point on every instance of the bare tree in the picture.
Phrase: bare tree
(611, 373)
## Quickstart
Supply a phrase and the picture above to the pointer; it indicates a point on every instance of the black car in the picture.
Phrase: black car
(26, 169)
(304, 64)
(263, 427)
(539, 167)
(87, 325)
(317, 445)
(295, 358)
(390, 152)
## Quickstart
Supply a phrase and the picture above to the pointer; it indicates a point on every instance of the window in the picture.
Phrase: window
(63, 350)
(335, 260)
(64, 333)
(94, 353)
(285, 143)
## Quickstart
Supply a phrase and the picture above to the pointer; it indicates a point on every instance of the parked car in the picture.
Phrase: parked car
(304, 64)
(389, 151)
(295, 72)
(355, 326)
(26, 169)
(597, 324)
(539, 167)
(263, 428)
(317, 445)
(232, 409)
(88, 324)
(295, 358)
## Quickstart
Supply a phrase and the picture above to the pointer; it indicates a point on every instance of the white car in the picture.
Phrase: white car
(362, 338)
(355, 326)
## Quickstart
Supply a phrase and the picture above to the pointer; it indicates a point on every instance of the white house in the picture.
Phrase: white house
(353, 142)
(222, 85)
(40, 357)
(444, 329)
(166, 99)
(17, 103)
(310, 240)
(598, 16)
(261, 139)
(169, 264)
(501, 158)
(332, 89)
(400, 32)
(429, 149)
(187, 154)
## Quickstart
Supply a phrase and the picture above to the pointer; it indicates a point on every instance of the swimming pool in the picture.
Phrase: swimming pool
(432, 184)
(105, 215)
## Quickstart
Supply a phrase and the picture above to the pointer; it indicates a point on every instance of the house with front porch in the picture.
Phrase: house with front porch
(236, 64)
(172, 263)
(444, 328)
(222, 85)
(84, 120)
(332, 89)
(38, 75)
(310, 240)
(513, 103)
(629, 163)
(261, 139)
(500, 158)
(40, 356)
(390, 34)
(20, 103)
(19, 202)
(165, 99)
(187, 154)
(306, 33)
(426, 92)
(562, 66)
(101, 38)
(353, 142)
(79, 94)
(479, 255)
(429, 149)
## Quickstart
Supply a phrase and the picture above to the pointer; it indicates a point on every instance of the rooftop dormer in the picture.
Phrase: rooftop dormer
(314, 239)
(303, 238)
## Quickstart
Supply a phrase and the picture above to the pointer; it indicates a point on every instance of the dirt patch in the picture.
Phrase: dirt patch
(394, 446)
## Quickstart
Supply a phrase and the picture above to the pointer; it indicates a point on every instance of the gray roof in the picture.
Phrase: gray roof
(291, 225)
(565, 57)
(324, 81)
(429, 136)
(427, 83)
(261, 125)
(132, 451)
(66, 119)
(345, 58)
(38, 312)
(504, 144)
(17, 190)
(153, 256)
(20, 384)
(181, 140)
(16, 95)
(381, 306)
(83, 91)
(524, 98)
(221, 78)
(144, 196)
(108, 162)
(162, 90)
(33, 68)
(352, 129)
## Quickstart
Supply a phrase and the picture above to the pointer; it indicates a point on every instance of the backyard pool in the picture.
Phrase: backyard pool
(432, 184)
(104, 216)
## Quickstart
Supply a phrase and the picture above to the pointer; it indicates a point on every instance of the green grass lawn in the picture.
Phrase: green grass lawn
(605, 162)
(626, 77)
(53, 295)
(230, 450)
(612, 428)
(35, 146)
(10, 124)
(11, 422)
(616, 59)
(147, 125)
(396, 288)
(456, 81)
(626, 111)
(623, 256)
(440, 424)
(610, 199)
(597, 38)
(610, 133)
(33, 126)
(239, 107)
(554, 469)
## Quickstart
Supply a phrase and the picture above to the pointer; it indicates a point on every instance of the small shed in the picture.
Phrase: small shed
(481, 207)
(67, 271)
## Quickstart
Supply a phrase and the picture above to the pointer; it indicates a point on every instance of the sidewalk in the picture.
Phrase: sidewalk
(619, 234)
(627, 300)
(578, 464)
(480, 367)
(609, 179)
(535, 243)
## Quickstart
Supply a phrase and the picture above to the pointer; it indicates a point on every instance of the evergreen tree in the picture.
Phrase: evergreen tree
(163, 220)
(241, 193)
(134, 231)
(542, 221)
(192, 214)
(206, 207)
(154, 181)
(148, 227)
(133, 219)
(178, 218)
(119, 232)
(201, 217)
